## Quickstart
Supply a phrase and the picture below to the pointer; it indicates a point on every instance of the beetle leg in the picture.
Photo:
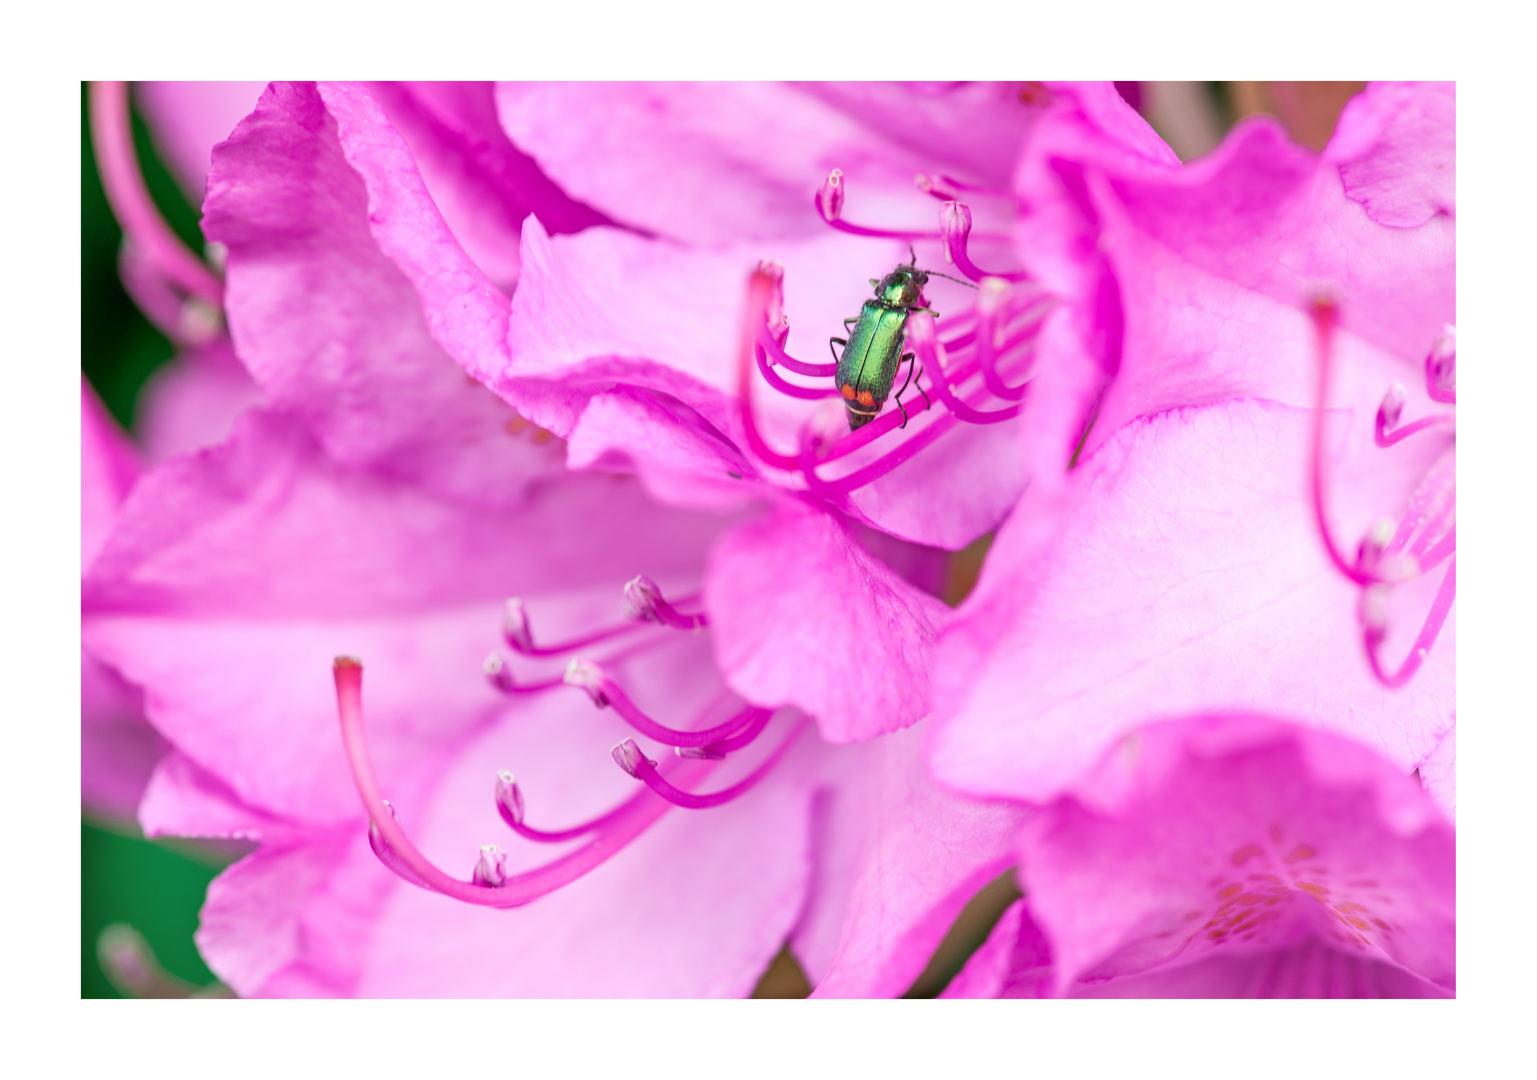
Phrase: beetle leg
(836, 341)
(850, 319)
(930, 310)
(911, 363)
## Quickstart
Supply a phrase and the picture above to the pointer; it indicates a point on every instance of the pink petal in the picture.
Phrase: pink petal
(898, 858)
(187, 120)
(1397, 148)
(713, 162)
(108, 468)
(1186, 574)
(1232, 835)
(483, 186)
(327, 323)
(1438, 773)
(193, 401)
(803, 615)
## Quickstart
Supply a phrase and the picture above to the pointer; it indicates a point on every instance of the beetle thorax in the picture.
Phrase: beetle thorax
(902, 287)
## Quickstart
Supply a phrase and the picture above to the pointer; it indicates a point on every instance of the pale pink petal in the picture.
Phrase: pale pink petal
(193, 401)
(1233, 835)
(108, 468)
(187, 119)
(803, 615)
(1186, 574)
(713, 162)
(1397, 148)
(183, 799)
(909, 857)
(118, 749)
(327, 323)
(1014, 961)
(481, 184)
(1438, 773)
(268, 525)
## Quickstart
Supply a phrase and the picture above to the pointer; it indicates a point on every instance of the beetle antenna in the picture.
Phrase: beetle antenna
(912, 257)
(947, 277)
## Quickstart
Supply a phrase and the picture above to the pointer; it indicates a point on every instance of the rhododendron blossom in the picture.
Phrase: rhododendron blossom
(558, 624)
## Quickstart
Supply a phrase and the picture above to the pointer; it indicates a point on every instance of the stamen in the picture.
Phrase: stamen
(1391, 411)
(945, 188)
(1374, 628)
(632, 761)
(761, 289)
(396, 850)
(778, 356)
(1325, 314)
(717, 750)
(1441, 367)
(805, 393)
(1382, 559)
(829, 203)
(491, 868)
(519, 636)
(500, 676)
(509, 804)
(992, 294)
(604, 691)
(955, 228)
(112, 139)
(925, 342)
(643, 602)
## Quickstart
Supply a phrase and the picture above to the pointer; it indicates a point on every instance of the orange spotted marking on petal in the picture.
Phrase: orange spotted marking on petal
(1244, 854)
(1300, 852)
(1229, 890)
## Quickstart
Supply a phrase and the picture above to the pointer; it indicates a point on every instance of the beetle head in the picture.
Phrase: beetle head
(903, 287)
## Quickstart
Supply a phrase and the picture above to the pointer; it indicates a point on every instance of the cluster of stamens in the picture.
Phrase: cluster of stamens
(1393, 553)
(983, 357)
(672, 783)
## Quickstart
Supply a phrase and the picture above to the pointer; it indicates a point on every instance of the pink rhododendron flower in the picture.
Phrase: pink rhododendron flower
(1188, 572)
(1229, 856)
(634, 348)
(385, 507)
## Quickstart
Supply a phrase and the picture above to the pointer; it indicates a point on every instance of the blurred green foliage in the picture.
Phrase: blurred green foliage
(124, 878)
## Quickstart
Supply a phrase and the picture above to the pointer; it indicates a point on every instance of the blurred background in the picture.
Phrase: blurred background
(139, 898)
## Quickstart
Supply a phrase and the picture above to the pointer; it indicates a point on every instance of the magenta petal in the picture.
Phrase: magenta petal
(898, 857)
(193, 401)
(1237, 836)
(483, 186)
(184, 799)
(1438, 773)
(108, 468)
(265, 918)
(712, 162)
(1014, 961)
(803, 615)
(1187, 574)
(328, 324)
(1397, 148)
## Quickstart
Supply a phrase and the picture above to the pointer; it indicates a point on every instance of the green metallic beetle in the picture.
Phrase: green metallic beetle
(872, 353)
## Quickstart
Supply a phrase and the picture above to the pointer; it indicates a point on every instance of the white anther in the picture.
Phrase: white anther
(491, 867)
(1392, 406)
(515, 625)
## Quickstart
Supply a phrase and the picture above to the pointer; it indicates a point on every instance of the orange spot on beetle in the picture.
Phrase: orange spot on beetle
(847, 391)
(866, 398)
